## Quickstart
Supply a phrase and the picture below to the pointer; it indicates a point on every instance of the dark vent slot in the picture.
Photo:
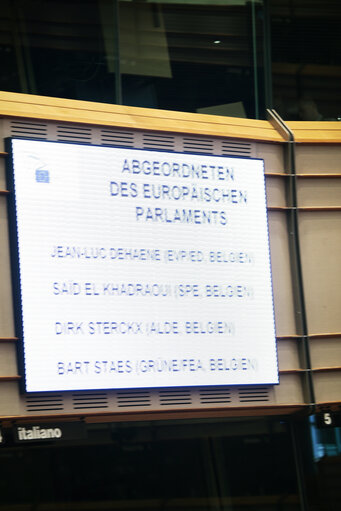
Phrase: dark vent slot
(86, 401)
(175, 397)
(29, 129)
(161, 142)
(215, 396)
(235, 148)
(43, 404)
(253, 395)
(121, 138)
(129, 399)
(76, 134)
(198, 145)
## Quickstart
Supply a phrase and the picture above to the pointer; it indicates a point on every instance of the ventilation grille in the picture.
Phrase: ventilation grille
(117, 138)
(46, 403)
(86, 401)
(159, 142)
(234, 148)
(28, 129)
(253, 394)
(127, 399)
(74, 134)
(175, 397)
(152, 399)
(215, 396)
(198, 145)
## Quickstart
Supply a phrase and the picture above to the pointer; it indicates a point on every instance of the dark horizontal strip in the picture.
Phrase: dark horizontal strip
(325, 369)
(157, 137)
(3, 153)
(236, 144)
(276, 174)
(159, 144)
(100, 402)
(117, 143)
(132, 401)
(117, 137)
(77, 136)
(320, 336)
(293, 371)
(214, 392)
(200, 145)
(178, 399)
(124, 405)
(304, 208)
(309, 176)
(129, 394)
(45, 409)
(197, 150)
(10, 378)
(80, 397)
(334, 175)
(133, 396)
(237, 151)
(113, 132)
(89, 407)
(175, 396)
(309, 336)
(29, 129)
(215, 399)
(4, 192)
(69, 129)
(35, 401)
(26, 123)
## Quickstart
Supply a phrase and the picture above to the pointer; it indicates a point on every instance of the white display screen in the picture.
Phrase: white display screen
(141, 268)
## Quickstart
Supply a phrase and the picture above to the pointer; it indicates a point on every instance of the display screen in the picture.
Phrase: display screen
(139, 268)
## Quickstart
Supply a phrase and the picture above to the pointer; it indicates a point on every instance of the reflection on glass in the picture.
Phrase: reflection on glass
(306, 59)
(194, 56)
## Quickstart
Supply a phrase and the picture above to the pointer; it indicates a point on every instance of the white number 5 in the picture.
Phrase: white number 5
(327, 418)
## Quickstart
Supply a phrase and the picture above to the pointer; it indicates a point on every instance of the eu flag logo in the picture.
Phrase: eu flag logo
(42, 176)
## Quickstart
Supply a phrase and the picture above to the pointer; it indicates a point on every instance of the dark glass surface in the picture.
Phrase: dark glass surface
(56, 48)
(202, 56)
(196, 466)
(196, 57)
(306, 59)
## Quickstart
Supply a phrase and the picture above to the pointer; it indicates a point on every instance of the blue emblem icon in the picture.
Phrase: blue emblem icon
(42, 176)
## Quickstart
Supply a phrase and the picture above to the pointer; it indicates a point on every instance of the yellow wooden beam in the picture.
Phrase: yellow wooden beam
(320, 132)
(85, 112)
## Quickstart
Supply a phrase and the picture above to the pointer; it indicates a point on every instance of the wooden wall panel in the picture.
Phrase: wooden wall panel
(272, 154)
(320, 236)
(327, 386)
(325, 352)
(319, 192)
(317, 159)
(281, 274)
(288, 357)
(6, 304)
(275, 191)
(289, 390)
